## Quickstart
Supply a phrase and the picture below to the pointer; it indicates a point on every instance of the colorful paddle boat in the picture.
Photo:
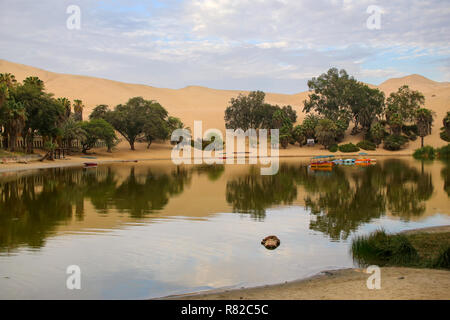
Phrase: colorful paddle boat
(322, 162)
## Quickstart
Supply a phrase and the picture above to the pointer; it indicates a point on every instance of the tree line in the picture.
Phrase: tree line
(27, 111)
(337, 99)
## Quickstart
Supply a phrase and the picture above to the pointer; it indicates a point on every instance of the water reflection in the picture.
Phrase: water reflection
(341, 200)
(33, 206)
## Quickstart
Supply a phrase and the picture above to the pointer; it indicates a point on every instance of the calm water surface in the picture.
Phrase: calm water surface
(151, 229)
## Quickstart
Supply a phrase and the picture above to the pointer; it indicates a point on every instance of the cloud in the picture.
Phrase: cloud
(277, 44)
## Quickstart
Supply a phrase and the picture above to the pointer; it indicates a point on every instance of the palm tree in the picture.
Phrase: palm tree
(34, 81)
(14, 117)
(78, 110)
(326, 132)
(424, 122)
(67, 107)
(8, 79)
(71, 130)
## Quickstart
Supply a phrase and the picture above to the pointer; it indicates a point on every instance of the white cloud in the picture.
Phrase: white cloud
(215, 42)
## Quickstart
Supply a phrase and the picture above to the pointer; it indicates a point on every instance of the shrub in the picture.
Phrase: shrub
(394, 142)
(425, 153)
(333, 148)
(444, 136)
(366, 145)
(349, 147)
(444, 152)
(443, 260)
(382, 249)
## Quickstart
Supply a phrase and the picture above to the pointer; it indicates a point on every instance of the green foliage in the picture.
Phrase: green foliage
(443, 259)
(326, 132)
(281, 121)
(377, 133)
(394, 142)
(405, 102)
(339, 97)
(366, 145)
(382, 249)
(445, 130)
(349, 147)
(95, 130)
(99, 112)
(309, 125)
(333, 148)
(251, 112)
(443, 152)
(425, 153)
(331, 94)
(424, 122)
(299, 135)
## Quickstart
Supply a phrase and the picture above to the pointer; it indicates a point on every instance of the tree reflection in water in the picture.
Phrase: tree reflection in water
(32, 206)
(340, 200)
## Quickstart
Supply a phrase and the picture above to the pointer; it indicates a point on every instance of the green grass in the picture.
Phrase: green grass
(431, 250)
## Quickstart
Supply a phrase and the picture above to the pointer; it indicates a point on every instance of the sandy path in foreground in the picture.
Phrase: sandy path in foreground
(348, 284)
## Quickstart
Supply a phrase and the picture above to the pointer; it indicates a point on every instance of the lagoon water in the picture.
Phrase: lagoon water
(151, 229)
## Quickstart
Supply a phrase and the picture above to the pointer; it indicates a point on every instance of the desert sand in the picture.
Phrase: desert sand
(200, 103)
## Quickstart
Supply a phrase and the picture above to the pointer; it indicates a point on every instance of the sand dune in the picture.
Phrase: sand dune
(200, 103)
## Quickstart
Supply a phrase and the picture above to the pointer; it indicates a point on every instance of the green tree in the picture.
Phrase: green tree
(156, 126)
(299, 135)
(377, 133)
(99, 112)
(244, 112)
(326, 132)
(78, 110)
(283, 122)
(309, 125)
(72, 130)
(130, 119)
(445, 130)
(97, 130)
(332, 94)
(367, 105)
(401, 107)
(13, 117)
(67, 105)
(424, 122)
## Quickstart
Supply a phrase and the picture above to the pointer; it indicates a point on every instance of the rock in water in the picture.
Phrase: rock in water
(271, 242)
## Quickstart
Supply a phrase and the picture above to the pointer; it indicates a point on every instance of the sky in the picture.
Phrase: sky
(269, 45)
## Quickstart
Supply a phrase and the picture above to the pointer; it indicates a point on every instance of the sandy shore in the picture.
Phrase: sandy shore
(162, 151)
(348, 284)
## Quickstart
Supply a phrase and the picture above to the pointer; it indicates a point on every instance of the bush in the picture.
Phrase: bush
(349, 147)
(444, 136)
(425, 153)
(444, 152)
(394, 142)
(382, 249)
(443, 260)
(333, 148)
(366, 145)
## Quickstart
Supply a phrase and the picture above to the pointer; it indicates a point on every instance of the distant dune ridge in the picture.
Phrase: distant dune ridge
(201, 103)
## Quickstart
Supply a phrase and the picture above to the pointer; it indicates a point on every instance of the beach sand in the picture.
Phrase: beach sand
(348, 284)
